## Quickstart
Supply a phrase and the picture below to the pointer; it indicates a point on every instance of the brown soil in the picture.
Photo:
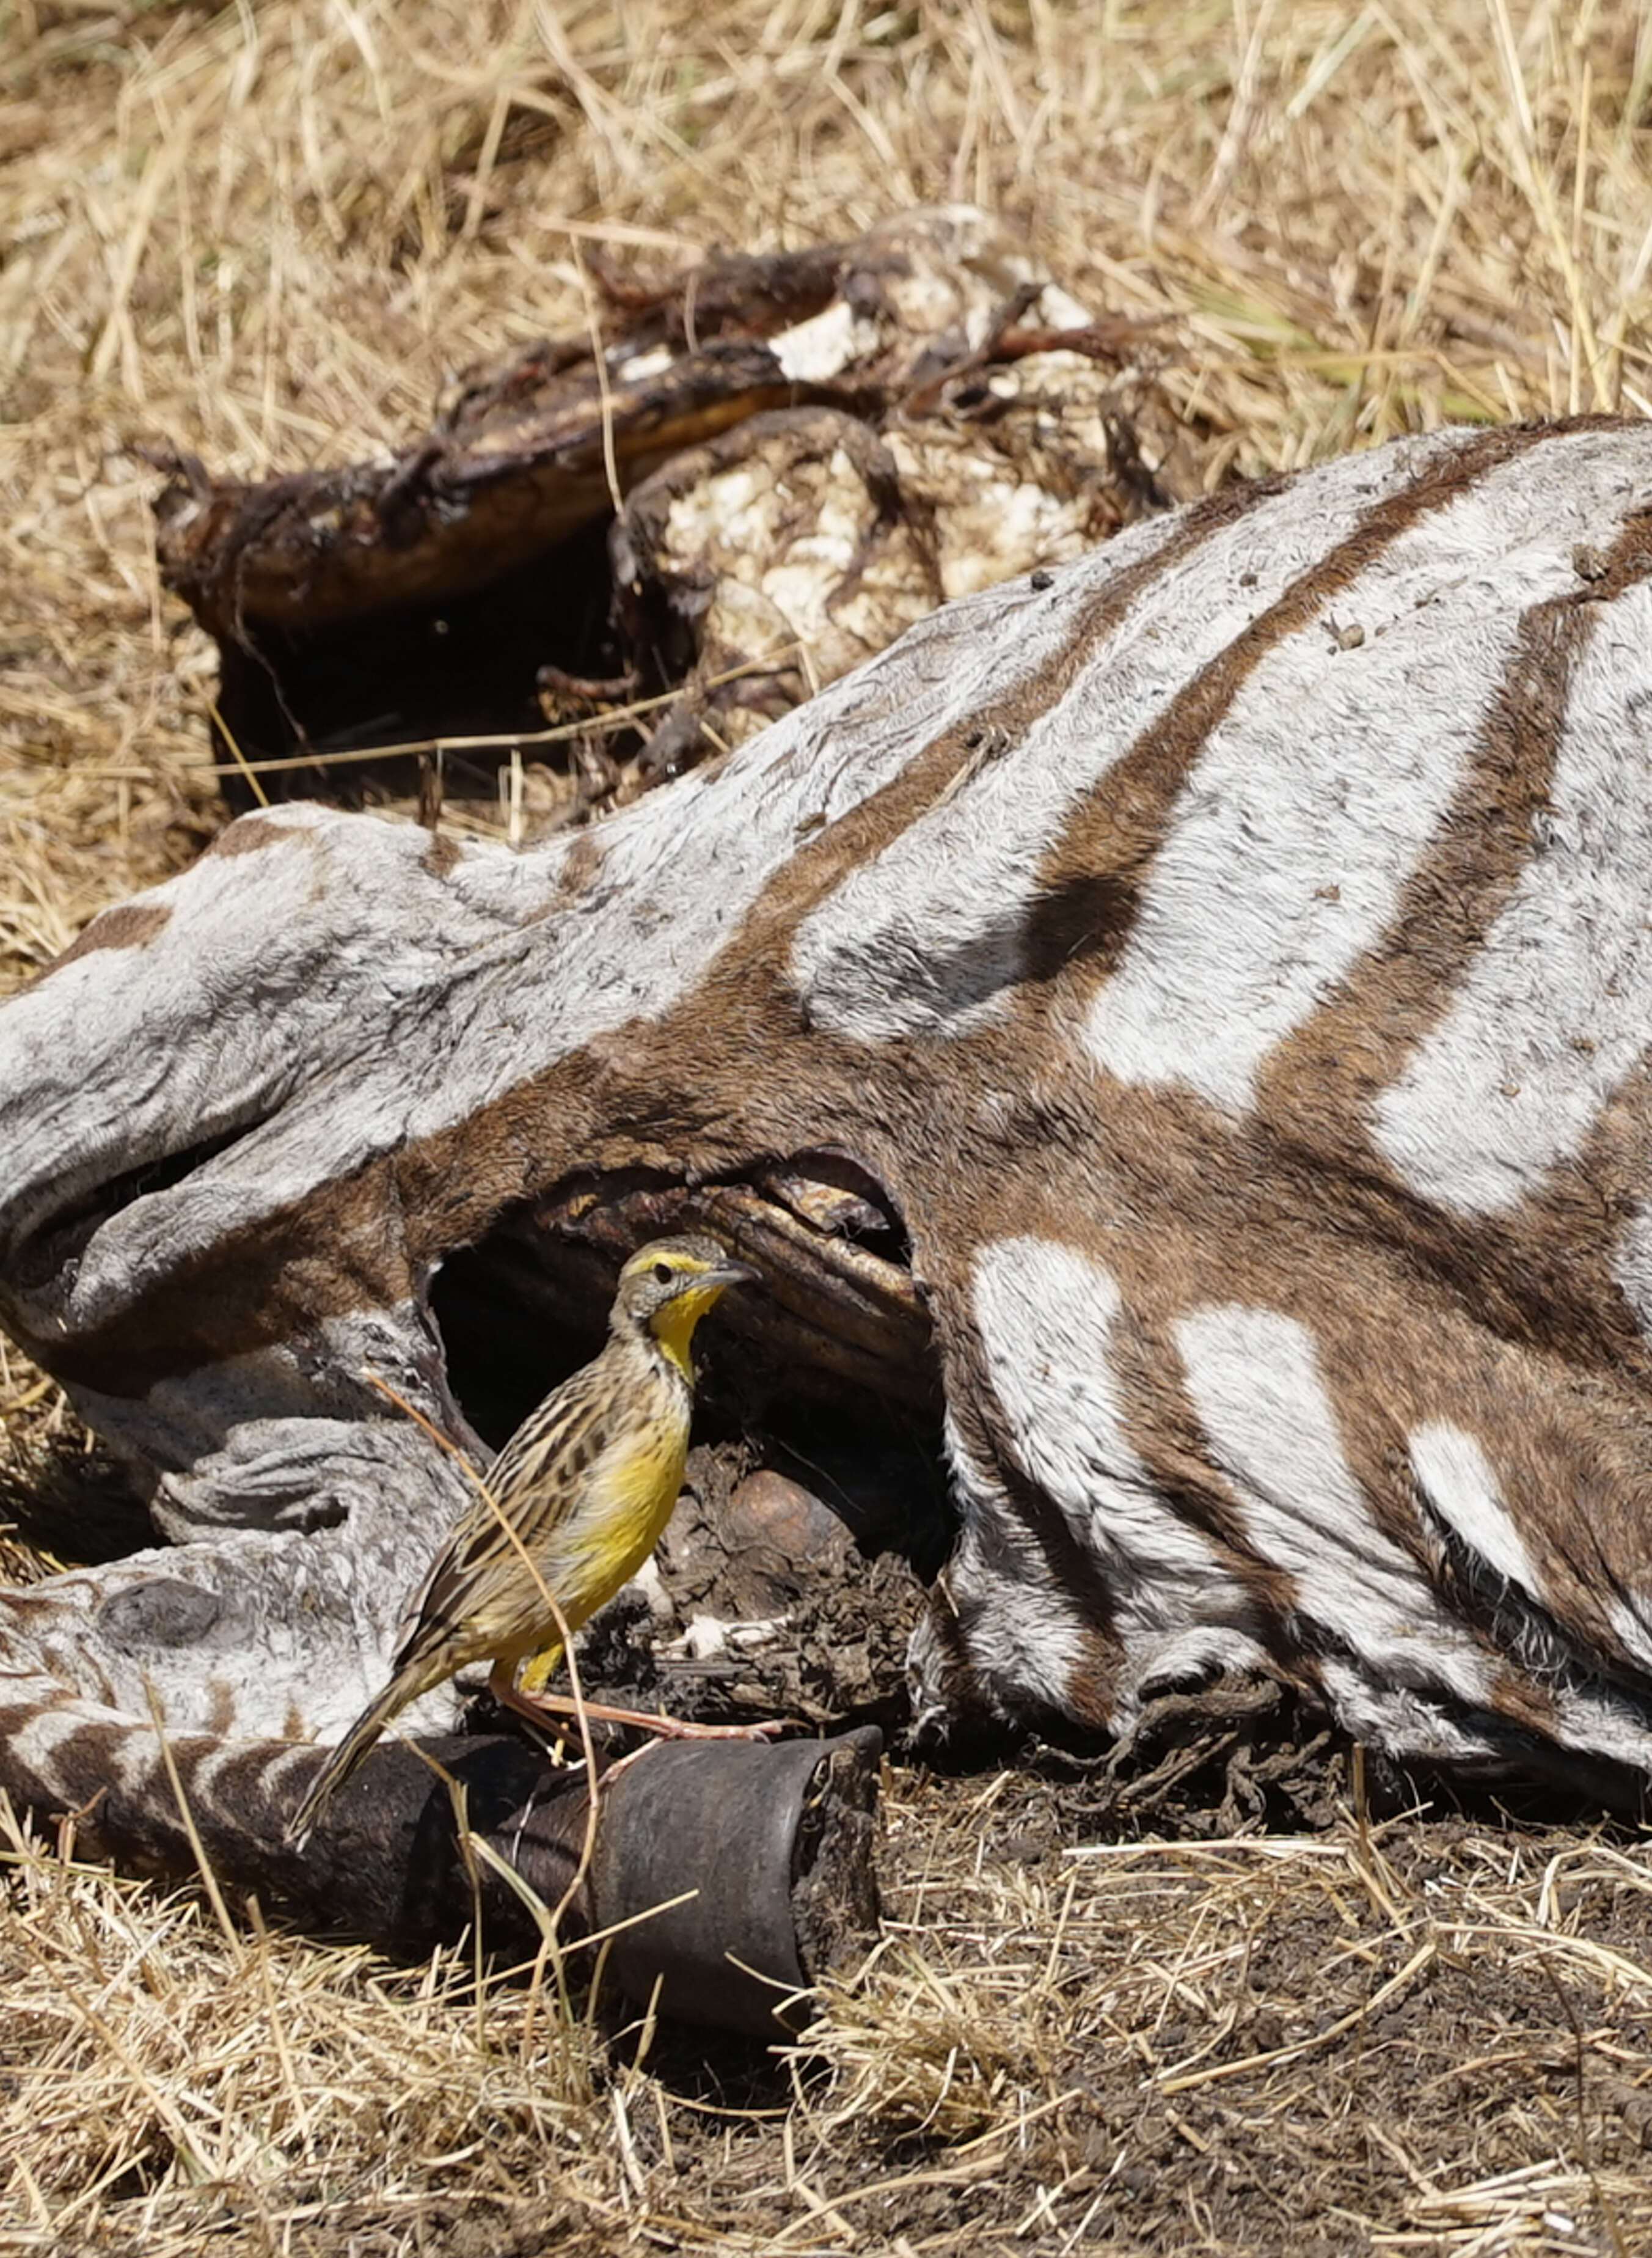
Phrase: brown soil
(1230, 1989)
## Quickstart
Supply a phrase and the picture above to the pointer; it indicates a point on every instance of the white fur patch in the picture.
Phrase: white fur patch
(1632, 1266)
(927, 935)
(1027, 1638)
(1555, 1007)
(1403, 1720)
(1321, 790)
(1254, 1378)
(1631, 1628)
(1452, 1472)
(1607, 1724)
(1048, 1317)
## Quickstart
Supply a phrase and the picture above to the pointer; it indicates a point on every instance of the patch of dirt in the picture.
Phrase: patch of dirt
(1338, 2043)
(1230, 1987)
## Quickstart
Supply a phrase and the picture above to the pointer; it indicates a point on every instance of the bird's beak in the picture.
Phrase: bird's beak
(726, 1273)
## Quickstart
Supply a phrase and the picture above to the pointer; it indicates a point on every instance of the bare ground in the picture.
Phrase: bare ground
(1230, 1990)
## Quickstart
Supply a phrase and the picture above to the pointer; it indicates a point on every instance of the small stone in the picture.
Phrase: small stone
(770, 1509)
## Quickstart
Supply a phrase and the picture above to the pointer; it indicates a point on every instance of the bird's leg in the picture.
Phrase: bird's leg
(648, 1721)
(560, 1712)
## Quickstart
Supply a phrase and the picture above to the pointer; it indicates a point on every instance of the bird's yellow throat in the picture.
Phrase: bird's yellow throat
(673, 1326)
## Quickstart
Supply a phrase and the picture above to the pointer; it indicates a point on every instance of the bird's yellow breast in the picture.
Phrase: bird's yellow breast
(634, 1487)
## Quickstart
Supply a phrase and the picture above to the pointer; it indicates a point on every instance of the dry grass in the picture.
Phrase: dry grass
(268, 235)
(170, 2076)
(1436, 2038)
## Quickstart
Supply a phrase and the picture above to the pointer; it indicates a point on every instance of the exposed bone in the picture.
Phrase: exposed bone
(813, 449)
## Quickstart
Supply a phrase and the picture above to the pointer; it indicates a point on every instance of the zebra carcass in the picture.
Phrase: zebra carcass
(1182, 1018)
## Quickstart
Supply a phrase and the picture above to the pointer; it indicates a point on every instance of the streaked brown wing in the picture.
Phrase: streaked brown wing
(562, 1435)
(535, 1481)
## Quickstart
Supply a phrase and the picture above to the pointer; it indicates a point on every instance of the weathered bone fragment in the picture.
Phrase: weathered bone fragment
(1216, 1042)
(814, 448)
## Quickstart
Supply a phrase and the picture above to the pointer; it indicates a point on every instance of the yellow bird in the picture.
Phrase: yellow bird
(583, 1488)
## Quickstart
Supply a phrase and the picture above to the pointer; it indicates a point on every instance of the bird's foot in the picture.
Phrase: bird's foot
(673, 1729)
(681, 1729)
(560, 1713)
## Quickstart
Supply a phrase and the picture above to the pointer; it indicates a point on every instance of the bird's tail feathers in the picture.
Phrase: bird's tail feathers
(402, 1688)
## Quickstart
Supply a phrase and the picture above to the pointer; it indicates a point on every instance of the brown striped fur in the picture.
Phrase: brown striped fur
(1116, 929)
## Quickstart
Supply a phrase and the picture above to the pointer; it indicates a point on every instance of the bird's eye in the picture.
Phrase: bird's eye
(663, 1274)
